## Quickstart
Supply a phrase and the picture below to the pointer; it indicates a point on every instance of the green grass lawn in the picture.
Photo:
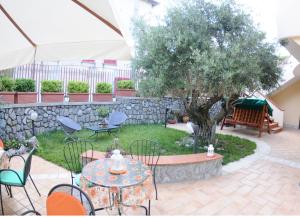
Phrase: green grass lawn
(52, 143)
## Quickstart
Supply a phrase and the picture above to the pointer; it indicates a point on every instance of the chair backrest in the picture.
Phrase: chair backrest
(249, 116)
(66, 199)
(68, 124)
(27, 165)
(76, 156)
(117, 118)
(146, 151)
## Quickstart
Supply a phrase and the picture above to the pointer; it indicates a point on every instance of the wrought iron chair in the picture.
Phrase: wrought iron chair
(10, 177)
(148, 152)
(76, 157)
(66, 199)
(69, 127)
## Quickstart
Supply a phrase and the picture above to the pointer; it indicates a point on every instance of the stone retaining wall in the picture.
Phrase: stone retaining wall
(15, 119)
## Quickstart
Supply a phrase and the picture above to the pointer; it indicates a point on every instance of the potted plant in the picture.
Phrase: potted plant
(52, 91)
(103, 112)
(25, 91)
(172, 118)
(185, 118)
(78, 91)
(7, 86)
(103, 92)
(125, 88)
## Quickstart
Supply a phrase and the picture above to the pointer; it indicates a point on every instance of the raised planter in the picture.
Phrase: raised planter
(102, 97)
(7, 97)
(25, 97)
(178, 168)
(126, 92)
(78, 97)
(52, 97)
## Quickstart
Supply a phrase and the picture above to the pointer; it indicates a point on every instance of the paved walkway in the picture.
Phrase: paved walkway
(266, 183)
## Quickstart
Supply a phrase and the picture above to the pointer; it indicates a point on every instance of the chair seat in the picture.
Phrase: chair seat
(11, 178)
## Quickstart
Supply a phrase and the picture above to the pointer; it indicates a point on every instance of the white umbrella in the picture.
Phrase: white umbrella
(50, 30)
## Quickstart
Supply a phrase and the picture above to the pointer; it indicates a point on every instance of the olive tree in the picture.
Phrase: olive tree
(203, 53)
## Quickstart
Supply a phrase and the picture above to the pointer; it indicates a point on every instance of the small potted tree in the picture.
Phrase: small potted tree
(52, 91)
(103, 92)
(103, 112)
(125, 88)
(78, 91)
(7, 86)
(25, 91)
(172, 118)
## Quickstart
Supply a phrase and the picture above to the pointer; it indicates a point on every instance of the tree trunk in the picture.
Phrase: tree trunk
(205, 128)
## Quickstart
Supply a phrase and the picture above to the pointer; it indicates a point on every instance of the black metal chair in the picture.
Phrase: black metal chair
(70, 190)
(69, 127)
(76, 157)
(17, 178)
(148, 152)
(116, 118)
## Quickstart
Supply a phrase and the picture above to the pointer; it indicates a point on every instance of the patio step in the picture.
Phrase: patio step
(273, 125)
(276, 129)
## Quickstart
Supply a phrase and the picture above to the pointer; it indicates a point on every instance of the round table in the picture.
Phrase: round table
(97, 173)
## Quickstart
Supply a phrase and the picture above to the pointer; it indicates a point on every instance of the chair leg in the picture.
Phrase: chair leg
(8, 190)
(149, 205)
(155, 187)
(1, 202)
(34, 185)
(28, 198)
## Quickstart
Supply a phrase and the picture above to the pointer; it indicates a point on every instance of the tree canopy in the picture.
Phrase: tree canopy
(213, 48)
(203, 52)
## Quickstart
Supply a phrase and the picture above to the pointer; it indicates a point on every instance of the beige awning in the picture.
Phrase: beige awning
(51, 30)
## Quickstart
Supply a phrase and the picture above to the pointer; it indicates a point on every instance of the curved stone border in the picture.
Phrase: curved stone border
(179, 168)
(261, 151)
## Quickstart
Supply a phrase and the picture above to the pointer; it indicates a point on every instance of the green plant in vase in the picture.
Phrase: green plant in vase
(103, 112)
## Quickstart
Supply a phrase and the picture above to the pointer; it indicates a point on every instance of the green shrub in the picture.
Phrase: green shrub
(125, 84)
(25, 85)
(51, 86)
(7, 84)
(78, 87)
(103, 87)
(103, 111)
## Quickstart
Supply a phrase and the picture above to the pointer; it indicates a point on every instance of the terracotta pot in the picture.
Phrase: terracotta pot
(25, 97)
(171, 121)
(79, 97)
(102, 97)
(52, 97)
(7, 97)
(185, 119)
(126, 92)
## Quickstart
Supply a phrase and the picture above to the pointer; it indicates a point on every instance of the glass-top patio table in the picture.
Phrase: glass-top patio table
(100, 128)
(97, 173)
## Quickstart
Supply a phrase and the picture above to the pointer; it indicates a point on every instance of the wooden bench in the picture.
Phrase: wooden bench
(255, 118)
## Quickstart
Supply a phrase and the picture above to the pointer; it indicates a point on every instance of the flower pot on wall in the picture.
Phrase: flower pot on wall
(102, 97)
(52, 97)
(126, 92)
(25, 97)
(7, 97)
(171, 121)
(78, 97)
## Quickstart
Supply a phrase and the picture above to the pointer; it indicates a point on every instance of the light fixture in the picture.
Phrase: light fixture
(33, 116)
